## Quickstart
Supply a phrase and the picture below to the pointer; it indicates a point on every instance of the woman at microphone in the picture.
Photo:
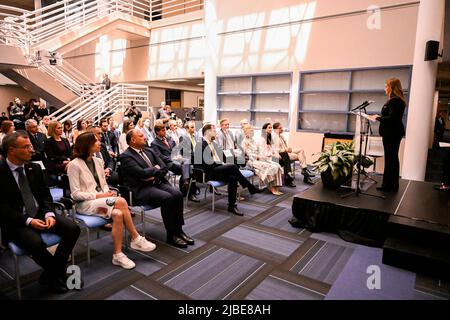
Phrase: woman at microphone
(392, 131)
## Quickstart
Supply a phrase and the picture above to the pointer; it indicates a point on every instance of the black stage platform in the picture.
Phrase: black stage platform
(412, 225)
(364, 219)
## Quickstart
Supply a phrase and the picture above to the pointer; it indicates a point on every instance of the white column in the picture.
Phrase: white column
(210, 73)
(429, 27)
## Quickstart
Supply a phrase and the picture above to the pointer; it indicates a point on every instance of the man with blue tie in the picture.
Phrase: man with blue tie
(26, 211)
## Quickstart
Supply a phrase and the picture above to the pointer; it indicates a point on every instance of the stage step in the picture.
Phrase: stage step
(417, 245)
(420, 258)
(418, 231)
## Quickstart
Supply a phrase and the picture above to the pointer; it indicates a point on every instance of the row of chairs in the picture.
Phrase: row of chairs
(65, 204)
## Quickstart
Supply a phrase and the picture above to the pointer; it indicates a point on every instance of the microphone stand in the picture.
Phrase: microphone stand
(358, 191)
(368, 133)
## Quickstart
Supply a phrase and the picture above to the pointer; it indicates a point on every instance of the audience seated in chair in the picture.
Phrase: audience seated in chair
(166, 149)
(26, 208)
(57, 149)
(288, 154)
(208, 158)
(144, 173)
(225, 139)
(269, 172)
(38, 139)
(92, 196)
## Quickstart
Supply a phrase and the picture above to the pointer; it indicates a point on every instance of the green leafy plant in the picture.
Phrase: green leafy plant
(337, 160)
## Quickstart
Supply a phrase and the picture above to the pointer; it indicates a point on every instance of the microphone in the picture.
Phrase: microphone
(363, 105)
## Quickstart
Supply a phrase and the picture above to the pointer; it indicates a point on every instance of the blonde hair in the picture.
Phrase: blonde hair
(396, 88)
(51, 128)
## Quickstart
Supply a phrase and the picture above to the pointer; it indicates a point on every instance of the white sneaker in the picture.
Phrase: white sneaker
(142, 244)
(122, 260)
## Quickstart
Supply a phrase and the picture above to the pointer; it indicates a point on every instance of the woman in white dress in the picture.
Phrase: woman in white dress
(92, 196)
(269, 172)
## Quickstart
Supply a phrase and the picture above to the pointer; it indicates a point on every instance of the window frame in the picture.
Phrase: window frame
(349, 92)
(253, 93)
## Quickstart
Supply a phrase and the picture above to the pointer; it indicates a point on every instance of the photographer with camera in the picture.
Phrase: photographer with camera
(133, 113)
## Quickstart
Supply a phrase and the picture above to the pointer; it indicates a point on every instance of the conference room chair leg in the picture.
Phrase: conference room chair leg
(143, 221)
(213, 198)
(88, 248)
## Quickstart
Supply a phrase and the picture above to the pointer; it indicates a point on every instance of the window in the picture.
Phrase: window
(257, 98)
(326, 98)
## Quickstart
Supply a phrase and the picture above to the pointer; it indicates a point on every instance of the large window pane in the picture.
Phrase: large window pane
(273, 83)
(264, 117)
(325, 101)
(323, 122)
(272, 102)
(242, 84)
(235, 102)
(376, 79)
(234, 117)
(326, 81)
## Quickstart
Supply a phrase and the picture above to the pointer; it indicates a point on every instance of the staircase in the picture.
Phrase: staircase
(98, 103)
(69, 23)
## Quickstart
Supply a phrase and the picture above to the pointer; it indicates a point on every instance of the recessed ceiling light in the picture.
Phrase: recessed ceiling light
(201, 84)
(177, 80)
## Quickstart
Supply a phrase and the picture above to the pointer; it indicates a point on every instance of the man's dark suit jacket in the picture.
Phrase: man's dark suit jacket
(134, 171)
(38, 146)
(162, 150)
(112, 139)
(11, 202)
(203, 157)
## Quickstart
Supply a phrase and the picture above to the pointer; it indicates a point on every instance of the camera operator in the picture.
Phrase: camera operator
(133, 113)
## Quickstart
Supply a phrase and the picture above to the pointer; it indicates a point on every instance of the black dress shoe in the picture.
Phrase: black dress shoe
(252, 189)
(186, 238)
(290, 184)
(384, 189)
(193, 198)
(57, 286)
(235, 210)
(307, 180)
(176, 241)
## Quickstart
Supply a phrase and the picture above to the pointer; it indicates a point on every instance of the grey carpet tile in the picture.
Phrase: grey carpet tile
(261, 244)
(332, 238)
(274, 288)
(157, 290)
(280, 220)
(203, 221)
(250, 210)
(216, 276)
(324, 261)
(131, 293)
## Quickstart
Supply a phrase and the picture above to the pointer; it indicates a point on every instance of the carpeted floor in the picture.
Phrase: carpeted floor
(258, 257)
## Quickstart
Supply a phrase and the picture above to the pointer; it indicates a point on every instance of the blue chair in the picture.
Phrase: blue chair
(49, 239)
(213, 184)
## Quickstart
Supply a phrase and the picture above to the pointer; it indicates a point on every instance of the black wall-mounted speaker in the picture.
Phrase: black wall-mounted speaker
(432, 50)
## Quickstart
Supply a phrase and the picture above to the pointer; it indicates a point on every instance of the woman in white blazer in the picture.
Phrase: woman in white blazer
(92, 196)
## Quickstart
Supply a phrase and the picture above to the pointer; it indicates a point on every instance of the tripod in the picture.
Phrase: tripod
(357, 191)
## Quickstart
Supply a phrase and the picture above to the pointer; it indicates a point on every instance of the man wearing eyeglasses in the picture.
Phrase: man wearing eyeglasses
(26, 211)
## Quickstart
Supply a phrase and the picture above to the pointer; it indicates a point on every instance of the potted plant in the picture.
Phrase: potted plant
(335, 164)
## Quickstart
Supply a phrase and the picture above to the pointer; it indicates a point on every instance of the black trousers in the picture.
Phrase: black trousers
(229, 173)
(184, 171)
(391, 175)
(446, 169)
(285, 162)
(30, 240)
(171, 202)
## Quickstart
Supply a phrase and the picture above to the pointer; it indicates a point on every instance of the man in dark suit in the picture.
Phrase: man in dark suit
(166, 149)
(144, 173)
(208, 156)
(26, 211)
(110, 168)
(37, 139)
(109, 139)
